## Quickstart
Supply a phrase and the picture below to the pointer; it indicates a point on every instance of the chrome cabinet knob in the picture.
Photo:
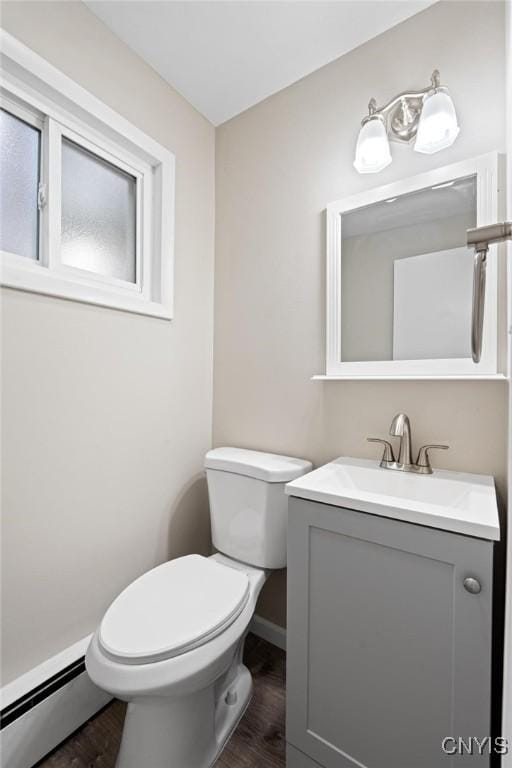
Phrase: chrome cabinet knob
(472, 585)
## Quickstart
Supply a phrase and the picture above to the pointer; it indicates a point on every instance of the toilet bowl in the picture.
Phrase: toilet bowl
(171, 644)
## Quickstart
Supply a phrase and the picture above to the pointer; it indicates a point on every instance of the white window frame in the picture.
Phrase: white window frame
(488, 170)
(42, 96)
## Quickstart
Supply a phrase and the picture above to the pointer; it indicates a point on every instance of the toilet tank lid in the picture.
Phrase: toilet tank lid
(270, 467)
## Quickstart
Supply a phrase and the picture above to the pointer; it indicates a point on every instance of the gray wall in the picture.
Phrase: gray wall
(278, 165)
(107, 415)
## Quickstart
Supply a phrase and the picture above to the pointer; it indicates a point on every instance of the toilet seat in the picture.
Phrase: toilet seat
(172, 609)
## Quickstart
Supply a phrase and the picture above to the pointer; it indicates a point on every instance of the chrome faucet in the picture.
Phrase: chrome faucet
(401, 427)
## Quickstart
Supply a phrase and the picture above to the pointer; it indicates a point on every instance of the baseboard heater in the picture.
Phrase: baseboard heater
(39, 720)
(41, 692)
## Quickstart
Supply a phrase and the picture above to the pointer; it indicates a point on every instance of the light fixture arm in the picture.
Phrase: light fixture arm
(402, 113)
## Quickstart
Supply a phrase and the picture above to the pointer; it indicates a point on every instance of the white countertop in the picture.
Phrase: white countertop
(451, 501)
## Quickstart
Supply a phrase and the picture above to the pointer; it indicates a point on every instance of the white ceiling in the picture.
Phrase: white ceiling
(223, 57)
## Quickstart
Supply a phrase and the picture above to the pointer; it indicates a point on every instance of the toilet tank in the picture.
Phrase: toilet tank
(248, 505)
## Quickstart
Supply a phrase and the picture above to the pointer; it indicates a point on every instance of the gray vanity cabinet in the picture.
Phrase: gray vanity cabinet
(388, 652)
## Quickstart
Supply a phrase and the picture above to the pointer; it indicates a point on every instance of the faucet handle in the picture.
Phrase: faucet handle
(423, 461)
(388, 455)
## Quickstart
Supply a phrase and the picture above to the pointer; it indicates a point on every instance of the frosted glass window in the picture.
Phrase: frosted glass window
(19, 180)
(98, 215)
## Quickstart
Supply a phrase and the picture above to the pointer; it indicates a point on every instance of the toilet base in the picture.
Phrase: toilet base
(186, 731)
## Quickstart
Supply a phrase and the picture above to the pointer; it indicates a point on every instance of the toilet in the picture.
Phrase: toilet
(171, 644)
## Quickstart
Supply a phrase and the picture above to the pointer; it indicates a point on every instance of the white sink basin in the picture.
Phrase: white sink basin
(452, 501)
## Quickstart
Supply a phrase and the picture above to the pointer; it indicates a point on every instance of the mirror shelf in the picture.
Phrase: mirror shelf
(408, 377)
(400, 278)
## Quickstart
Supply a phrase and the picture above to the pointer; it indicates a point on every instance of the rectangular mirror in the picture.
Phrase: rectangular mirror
(406, 275)
(400, 276)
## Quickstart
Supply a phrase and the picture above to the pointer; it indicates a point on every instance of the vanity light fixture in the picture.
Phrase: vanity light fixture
(428, 117)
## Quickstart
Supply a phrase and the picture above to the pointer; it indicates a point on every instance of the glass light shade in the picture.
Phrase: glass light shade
(372, 150)
(438, 127)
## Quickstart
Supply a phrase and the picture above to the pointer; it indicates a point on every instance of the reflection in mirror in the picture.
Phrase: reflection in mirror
(406, 275)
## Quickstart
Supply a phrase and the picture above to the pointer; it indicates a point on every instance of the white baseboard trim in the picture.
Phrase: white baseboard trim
(268, 631)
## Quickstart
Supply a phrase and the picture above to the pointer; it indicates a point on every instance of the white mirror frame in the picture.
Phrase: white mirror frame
(488, 170)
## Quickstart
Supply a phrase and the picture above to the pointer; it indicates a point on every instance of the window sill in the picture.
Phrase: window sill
(34, 278)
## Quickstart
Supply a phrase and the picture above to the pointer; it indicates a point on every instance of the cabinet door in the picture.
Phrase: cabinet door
(388, 653)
